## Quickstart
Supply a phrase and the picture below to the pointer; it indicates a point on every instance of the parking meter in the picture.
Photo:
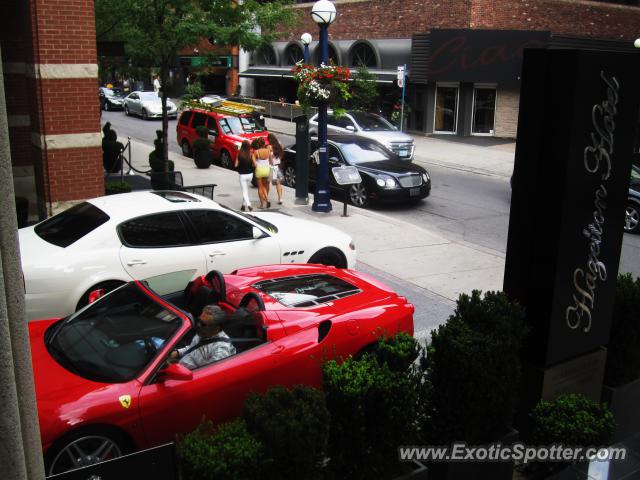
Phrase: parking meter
(302, 160)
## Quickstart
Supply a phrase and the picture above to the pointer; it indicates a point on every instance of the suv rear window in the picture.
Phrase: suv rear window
(306, 290)
(71, 225)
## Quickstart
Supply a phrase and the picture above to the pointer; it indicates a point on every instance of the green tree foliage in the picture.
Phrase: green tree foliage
(155, 31)
(364, 91)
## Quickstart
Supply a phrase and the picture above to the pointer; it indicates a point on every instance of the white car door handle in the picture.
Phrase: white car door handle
(216, 253)
(136, 262)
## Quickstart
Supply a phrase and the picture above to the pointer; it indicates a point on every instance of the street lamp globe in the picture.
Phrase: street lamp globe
(637, 43)
(323, 12)
(306, 38)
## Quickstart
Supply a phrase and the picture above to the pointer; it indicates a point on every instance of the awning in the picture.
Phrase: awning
(382, 76)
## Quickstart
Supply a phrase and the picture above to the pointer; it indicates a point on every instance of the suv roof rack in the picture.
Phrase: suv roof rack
(225, 107)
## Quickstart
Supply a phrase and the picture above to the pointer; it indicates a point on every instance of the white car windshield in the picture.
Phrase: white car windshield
(370, 122)
(149, 97)
(363, 152)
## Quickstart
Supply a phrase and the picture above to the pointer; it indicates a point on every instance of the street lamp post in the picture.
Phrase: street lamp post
(306, 40)
(323, 13)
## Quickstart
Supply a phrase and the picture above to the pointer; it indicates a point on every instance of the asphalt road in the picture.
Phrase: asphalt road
(463, 205)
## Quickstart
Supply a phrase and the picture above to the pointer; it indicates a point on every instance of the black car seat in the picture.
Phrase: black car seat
(204, 290)
(245, 326)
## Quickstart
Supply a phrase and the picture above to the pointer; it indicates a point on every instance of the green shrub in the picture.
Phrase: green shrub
(193, 91)
(293, 426)
(398, 352)
(114, 187)
(473, 370)
(226, 452)
(623, 353)
(572, 420)
(373, 410)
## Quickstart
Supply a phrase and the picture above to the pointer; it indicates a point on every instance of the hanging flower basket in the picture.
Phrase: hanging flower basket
(326, 84)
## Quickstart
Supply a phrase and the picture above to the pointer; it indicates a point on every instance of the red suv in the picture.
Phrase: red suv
(226, 132)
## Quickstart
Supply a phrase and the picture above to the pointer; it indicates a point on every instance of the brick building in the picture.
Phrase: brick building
(51, 79)
(463, 56)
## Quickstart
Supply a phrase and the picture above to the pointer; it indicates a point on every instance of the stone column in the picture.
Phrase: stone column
(20, 453)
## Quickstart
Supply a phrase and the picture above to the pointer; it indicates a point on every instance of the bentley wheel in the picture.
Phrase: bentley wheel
(358, 195)
(290, 176)
(632, 218)
(225, 159)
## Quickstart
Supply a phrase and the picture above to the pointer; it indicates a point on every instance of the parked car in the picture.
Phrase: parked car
(105, 384)
(632, 218)
(147, 105)
(384, 176)
(370, 125)
(226, 133)
(111, 98)
(106, 241)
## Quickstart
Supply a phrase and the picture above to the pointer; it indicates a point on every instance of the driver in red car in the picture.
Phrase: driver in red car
(210, 344)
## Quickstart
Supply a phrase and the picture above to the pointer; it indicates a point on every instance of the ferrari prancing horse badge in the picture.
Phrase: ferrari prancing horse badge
(125, 401)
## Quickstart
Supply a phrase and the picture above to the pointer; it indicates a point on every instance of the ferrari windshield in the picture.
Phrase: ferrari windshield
(115, 338)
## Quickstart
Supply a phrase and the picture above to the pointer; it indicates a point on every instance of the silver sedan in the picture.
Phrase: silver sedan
(147, 105)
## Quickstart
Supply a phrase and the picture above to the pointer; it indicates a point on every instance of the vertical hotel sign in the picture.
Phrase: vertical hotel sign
(578, 111)
(596, 161)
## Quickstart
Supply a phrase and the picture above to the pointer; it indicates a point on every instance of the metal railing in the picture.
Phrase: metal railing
(282, 110)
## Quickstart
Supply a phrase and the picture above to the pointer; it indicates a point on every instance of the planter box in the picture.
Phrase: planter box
(623, 402)
(476, 470)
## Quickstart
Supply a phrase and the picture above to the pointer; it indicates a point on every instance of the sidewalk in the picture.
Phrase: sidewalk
(418, 255)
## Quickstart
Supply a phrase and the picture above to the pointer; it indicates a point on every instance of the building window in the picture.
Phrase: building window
(331, 53)
(362, 55)
(446, 115)
(293, 54)
(265, 55)
(484, 111)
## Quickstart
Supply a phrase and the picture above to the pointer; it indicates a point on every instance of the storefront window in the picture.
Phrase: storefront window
(484, 111)
(446, 109)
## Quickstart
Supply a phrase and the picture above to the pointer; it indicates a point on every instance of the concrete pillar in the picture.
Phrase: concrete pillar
(20, 447)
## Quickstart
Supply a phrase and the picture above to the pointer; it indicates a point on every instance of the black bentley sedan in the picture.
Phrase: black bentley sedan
(384, 176)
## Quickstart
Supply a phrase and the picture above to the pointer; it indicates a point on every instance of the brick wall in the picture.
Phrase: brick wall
(507, 105)
(400, 19)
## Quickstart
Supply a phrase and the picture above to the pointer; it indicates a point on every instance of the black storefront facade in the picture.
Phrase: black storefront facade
(467, 82)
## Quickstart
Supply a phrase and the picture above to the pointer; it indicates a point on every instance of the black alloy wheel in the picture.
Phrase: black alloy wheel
(186, 149)
(225, 159)
(290, 176)
(329, 256)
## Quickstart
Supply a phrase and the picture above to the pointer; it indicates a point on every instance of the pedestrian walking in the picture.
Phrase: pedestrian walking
(277, 152)
(156, 84)
(261, 156)
(244, 165)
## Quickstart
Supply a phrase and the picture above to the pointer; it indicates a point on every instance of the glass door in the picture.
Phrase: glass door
(446, 114)
(484, 111)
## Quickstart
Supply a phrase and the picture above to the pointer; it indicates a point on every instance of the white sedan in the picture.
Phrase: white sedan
(106, 241)
(147, 105)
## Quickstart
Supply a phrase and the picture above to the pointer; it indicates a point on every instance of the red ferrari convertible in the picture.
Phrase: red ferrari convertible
(104, 382)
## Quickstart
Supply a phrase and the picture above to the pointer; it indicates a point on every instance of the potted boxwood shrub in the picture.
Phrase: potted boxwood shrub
(159, 179)
(225, 452)
(202, 155)
(114, 187)
(373, 411)
(111, 150)
(293, 426)
(571, 419)
(621, 388)
(474, 373)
